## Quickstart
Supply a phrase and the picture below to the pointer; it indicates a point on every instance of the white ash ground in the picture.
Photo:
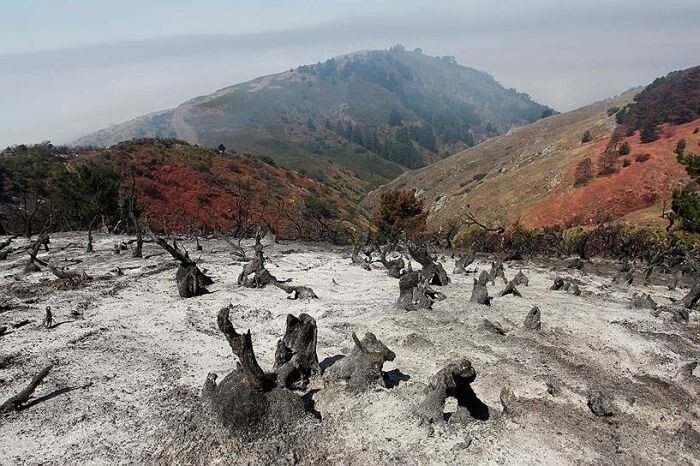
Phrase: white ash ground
(109, 398)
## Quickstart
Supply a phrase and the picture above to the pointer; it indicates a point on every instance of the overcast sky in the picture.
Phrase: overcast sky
(69, 67)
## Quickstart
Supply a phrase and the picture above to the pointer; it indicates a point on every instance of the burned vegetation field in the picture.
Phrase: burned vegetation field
(207, 351)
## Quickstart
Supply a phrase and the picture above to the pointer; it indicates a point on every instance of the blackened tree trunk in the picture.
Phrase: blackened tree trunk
(295, 357)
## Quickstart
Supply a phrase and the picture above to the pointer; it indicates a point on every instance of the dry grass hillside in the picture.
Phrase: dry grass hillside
(533, 174)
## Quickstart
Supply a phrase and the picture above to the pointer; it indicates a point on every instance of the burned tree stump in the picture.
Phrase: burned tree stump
(65, 274)
(414, 293)
(16, 402)
(643, 301)
(247, 400)
(255, 275)
(296, 291)
(600, 404)
(510, 289)
(7, 242)
(190, 280)
(574, 290)
(626, 273)
(394, 266)
(493, 327)
(558, 284)
(464, 261)
(533, 320)
(362, 368)
(88, 247)
(680, 314)
(137, 251)
(480, 294)
(432, 271)
(47, 323)
(521, 279)
(497, 271)
(690, 300)
(359, 247)
(454, 380)
(295, 357)
(33, 263)
(576, 263)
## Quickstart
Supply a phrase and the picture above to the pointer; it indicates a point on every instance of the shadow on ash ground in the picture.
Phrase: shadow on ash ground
(130, 357)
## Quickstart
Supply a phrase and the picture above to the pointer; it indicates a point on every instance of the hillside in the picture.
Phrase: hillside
(176, 186)
(352, 122)
(543, 175)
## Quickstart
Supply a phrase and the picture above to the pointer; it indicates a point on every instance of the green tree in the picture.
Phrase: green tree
(586, 137)
(686, 202)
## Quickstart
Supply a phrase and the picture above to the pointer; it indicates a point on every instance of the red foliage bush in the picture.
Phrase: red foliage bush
(399, 211)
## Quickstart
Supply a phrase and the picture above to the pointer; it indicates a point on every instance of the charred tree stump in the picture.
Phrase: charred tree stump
(493, 327)
(362, 368)
(296, 292)
(626, 273)
(643, 301)
(454, 380)
(394, 266)
(464, 261)
(533, 320)
(137, 251)
(558, 284)
(679, 314)
(432, 271)
(255, 275)
(16, 402)
(47, 323)
(33, 263)
(295, 357)
(88, 248)
(521, 279)
(415, 294)
(357, 260)
(480, 294)
(7, 242)
(64, 274)
(190, 280)
(496, 272)
(690, 300)
(248, 401)
(510, 289)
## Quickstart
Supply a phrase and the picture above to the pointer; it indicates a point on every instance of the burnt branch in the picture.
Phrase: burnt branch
(16, 402)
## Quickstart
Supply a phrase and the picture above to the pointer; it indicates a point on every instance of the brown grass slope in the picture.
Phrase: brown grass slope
(502, 177)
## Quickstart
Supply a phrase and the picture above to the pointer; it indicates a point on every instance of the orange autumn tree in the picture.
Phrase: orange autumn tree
(399, 210)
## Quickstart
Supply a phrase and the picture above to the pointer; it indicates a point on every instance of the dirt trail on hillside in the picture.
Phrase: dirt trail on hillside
(129, 366)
